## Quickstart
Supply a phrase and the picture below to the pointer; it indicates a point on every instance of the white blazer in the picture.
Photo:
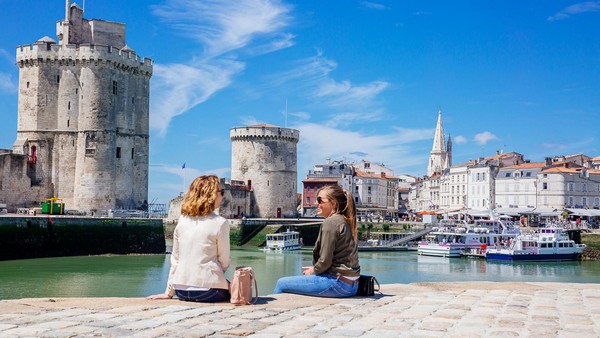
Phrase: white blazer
(201, 253)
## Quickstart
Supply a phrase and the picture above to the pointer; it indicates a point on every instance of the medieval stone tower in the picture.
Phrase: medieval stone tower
(83, 119)
(265, 157)
(440, 157)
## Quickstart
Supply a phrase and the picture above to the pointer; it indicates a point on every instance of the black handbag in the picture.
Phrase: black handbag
(366, 285)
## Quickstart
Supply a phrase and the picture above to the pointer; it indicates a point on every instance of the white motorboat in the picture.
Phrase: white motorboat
(454, 241)
(283, 241)
(548, 244)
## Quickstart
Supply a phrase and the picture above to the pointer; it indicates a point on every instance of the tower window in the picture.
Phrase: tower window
(69, 105)
(27, 84)
(76, 90)
(133, 100)
(115, 87)
(132, 152)
(118, 152)
(57, 78)
(68, 123)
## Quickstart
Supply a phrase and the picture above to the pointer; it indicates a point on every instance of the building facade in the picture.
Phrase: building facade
(83, 120)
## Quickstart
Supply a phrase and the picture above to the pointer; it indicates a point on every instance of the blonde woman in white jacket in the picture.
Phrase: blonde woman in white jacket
(201, 252)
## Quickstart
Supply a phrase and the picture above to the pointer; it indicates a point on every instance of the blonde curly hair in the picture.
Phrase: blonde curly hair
(201, 196)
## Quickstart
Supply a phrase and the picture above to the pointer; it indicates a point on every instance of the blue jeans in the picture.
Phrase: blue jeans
(209, 296)
(323, 285)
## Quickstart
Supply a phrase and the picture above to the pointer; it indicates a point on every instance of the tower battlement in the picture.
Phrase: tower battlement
(264, 132)
(50, 52)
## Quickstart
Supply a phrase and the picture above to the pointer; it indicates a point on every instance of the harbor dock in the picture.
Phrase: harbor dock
(457, 309)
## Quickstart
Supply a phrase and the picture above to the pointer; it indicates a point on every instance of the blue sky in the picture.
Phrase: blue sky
(362, 79)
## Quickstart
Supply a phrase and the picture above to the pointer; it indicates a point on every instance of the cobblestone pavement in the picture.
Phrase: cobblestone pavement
(463, 309)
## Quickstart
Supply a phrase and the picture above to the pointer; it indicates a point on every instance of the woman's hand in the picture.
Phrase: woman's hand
(159, 296)
(308, 270)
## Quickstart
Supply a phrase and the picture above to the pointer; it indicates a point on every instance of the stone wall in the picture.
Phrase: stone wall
(46, 236)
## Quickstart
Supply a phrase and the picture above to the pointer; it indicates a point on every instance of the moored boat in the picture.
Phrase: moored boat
(283, 241)
(548, 244)
(454, 241)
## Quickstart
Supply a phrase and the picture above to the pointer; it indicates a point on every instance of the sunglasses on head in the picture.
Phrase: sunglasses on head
(320, 200)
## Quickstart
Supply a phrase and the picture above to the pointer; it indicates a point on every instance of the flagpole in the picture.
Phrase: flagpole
(183, 178)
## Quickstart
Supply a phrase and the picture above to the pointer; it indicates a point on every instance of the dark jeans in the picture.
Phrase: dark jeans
(209, 296)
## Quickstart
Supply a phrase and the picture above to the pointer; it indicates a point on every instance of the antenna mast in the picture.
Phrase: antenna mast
(286, 112)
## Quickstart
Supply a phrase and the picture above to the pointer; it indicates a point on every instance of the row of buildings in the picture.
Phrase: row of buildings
(505, 182)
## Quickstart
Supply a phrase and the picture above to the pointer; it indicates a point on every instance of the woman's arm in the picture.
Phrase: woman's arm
(223, 246)
(329, 235)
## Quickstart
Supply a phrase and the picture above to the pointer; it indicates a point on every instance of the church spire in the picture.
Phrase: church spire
(438, 157)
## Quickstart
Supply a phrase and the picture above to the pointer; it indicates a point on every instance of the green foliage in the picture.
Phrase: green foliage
(591, 240)
(386, 227)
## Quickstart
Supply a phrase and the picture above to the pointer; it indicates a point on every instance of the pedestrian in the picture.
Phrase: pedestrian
(201, 251)
(335, 269)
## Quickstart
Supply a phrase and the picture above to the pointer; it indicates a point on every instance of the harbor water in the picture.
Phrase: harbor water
(142, 275)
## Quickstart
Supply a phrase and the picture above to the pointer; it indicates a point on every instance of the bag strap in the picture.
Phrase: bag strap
(255, 288)
(377, 282)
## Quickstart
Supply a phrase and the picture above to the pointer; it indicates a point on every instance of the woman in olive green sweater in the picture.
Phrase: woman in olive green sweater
(335, 269)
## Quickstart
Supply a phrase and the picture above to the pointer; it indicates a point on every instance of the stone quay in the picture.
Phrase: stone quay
(457, 309)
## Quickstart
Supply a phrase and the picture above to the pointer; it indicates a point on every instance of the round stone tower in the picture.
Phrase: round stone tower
(265, 157)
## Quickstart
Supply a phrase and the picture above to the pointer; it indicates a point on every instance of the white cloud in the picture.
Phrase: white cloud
(484, 138)
(396, 149)
(176, 88)
(347, 118)
(313, 75)
(301, 115)
(221, 28)
(373, 5)
(224, 26)
(7, 84)
(583, 7)
(345, 94)
(307, 72)
(459, 139)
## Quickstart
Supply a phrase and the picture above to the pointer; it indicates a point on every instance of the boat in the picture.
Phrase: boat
(283, 241)
(456, 239)
(548, 244)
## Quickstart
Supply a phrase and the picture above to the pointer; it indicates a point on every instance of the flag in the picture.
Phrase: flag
(183, 166)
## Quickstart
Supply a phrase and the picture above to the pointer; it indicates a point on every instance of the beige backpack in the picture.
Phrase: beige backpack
(241, 286)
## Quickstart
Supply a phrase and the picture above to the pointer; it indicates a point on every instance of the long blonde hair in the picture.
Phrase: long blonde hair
(344, 205)
(201, 196)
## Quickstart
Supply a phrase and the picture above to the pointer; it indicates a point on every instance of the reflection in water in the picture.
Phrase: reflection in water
(138, 276)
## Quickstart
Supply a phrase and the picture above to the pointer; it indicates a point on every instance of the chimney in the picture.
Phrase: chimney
(548, 161)
(328, 161)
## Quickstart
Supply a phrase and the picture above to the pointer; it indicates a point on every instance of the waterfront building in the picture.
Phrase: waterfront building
(264, 157)
(516, 188)
(453, 188)
(83, 120)
(595, 163)
(330, 173)
(568, 185)
(373, 186)
(375, 195)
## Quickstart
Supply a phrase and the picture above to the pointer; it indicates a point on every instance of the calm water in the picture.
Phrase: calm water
(138, 276)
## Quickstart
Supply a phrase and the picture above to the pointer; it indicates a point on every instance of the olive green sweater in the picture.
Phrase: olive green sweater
(335, 251)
